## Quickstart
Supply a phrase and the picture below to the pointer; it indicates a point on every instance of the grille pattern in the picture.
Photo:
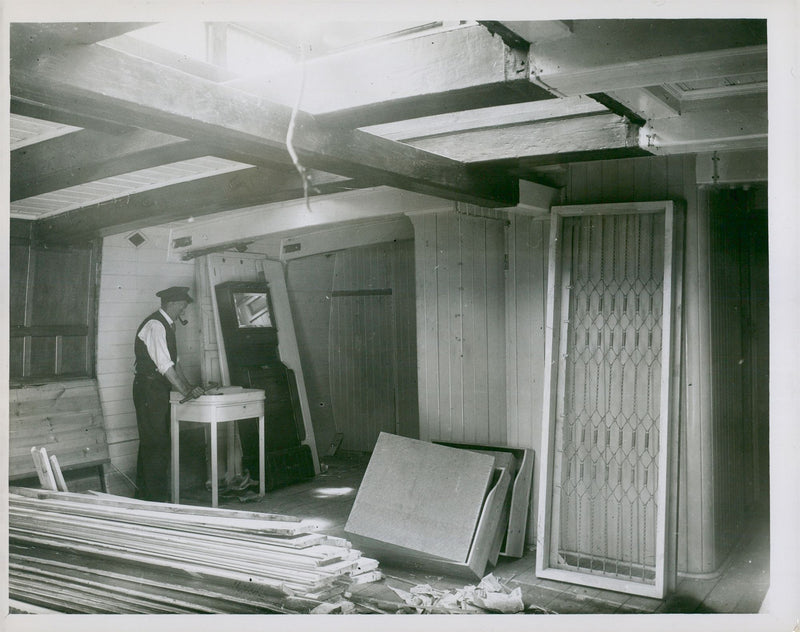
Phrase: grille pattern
(607, 425)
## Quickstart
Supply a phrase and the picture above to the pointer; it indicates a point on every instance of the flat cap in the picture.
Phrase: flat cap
(174, 294)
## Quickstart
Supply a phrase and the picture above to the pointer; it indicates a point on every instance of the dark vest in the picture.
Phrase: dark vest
(144, 364)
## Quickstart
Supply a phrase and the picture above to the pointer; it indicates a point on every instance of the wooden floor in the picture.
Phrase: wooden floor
(739, 588)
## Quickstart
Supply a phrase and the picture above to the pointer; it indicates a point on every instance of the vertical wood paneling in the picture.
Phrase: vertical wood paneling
(492, 292)
(362, 344)
(461, 325)
(732, 227)
(129, 279)
(425, 256)
(448, 235)
(526, 286)
(309, 281)
(358, 348)
(405, 315)
(473, 324)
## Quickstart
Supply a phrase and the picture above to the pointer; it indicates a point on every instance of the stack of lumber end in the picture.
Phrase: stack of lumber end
(96, 553)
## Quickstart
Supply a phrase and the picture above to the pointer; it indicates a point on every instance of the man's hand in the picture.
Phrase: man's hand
(192, 392)
(195, 392)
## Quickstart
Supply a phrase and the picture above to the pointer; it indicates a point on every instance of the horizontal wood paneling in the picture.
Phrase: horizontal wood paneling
(129, 280)
(63, 417)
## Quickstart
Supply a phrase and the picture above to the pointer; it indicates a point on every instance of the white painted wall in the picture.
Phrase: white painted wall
(129, 279)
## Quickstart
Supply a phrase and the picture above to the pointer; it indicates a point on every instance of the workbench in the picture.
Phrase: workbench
(226, 404)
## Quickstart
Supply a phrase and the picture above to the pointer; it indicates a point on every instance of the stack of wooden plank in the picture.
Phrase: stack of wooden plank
(95, 553)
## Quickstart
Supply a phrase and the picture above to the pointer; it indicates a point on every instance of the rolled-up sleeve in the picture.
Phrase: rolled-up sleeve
(154, 337)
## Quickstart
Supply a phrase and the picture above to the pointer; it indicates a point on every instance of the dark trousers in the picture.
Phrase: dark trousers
(151, 400)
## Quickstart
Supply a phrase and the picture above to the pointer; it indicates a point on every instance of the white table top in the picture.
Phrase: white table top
(221, 395)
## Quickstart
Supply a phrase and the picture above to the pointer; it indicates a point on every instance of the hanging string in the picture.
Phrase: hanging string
(304, 175)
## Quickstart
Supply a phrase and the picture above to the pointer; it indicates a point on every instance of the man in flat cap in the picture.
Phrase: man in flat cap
(157, 373)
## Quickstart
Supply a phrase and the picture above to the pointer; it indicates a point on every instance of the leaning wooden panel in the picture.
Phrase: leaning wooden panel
(485, 542)
(604, 503)
(421, 497)
(519, 493)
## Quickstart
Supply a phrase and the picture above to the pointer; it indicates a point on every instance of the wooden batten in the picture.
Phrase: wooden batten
(147, 557)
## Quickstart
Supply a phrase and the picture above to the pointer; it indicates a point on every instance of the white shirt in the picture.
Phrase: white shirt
(154, 337)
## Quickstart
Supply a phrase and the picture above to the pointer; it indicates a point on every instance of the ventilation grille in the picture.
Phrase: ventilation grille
(137, 239)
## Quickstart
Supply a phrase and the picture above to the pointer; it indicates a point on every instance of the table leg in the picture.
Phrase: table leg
(175, 461)
(261, 473)
(230, 463)
(214, 473)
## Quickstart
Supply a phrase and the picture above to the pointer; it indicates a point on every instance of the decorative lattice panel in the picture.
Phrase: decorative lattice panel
(606, 496)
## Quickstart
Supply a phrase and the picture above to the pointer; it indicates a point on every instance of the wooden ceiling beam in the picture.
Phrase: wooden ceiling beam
(485, 118)
(702, 126)
(540, 142)
(30, 39)
(652, 72)
(204, 196)
(32, 109)
(111, 85)
(433, 73)
(602, 55)
(87, 155)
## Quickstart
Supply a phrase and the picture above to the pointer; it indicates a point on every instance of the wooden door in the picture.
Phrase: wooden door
(606, 437)
(362, 348)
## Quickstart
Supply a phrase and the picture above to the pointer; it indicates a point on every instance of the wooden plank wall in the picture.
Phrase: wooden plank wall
(673, 178)
(129, 279)
(461, 323)
(526, 294)
(51, 307)
(308, 282)
(735, 333)
(405, 323)
(343, 377)
(63, 417)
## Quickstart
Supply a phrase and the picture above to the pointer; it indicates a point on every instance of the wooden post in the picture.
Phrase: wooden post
(43, 469)
(58, 474)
